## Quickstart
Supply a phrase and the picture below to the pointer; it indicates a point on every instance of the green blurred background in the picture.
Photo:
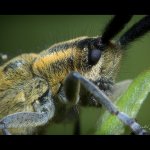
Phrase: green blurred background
(33, 33)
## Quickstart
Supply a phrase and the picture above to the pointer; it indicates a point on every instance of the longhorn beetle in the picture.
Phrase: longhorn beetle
(36, 89)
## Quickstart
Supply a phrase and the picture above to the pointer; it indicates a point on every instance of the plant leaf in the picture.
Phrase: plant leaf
(130, 103)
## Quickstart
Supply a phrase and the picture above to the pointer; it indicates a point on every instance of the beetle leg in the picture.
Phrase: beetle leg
(76, 128)
(44, 112)
(75, 77)
(6, 132)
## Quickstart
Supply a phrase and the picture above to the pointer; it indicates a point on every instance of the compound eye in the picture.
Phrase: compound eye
(94, 56)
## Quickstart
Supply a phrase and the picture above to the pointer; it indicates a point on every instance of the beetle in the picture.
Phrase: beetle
(38, 88)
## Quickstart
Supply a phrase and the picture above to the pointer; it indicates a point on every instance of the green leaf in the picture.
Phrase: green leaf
(130, 103)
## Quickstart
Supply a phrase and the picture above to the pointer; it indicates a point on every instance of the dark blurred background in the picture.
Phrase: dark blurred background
(34, 33)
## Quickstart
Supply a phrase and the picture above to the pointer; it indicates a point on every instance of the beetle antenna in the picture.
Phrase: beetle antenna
(114, 26)
(136, 31)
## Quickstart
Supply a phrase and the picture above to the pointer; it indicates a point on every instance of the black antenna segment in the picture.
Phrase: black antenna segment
(137, 30)
(114, 26)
